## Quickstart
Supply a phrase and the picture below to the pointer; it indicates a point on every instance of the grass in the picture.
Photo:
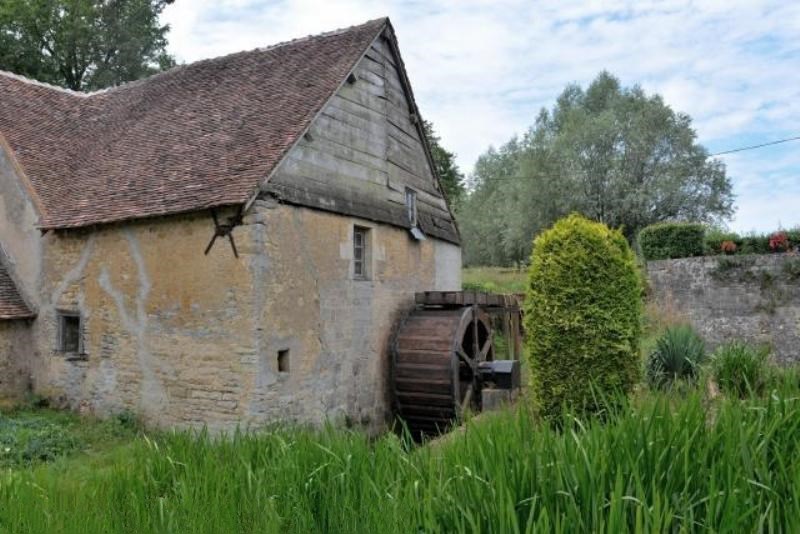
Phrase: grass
(31, 436)
(662, 464)
(674, 461)
(494, 279)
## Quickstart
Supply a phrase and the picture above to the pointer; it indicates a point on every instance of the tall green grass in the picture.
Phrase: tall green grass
(495, 279)
(661, 465)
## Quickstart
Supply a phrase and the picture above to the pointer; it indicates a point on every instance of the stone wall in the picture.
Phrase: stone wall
(15, 344)
(20, 239)
(335, 327)
(754, 298)
(186, 339)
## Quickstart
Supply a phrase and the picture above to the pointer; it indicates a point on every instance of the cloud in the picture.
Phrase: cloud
(481, 69)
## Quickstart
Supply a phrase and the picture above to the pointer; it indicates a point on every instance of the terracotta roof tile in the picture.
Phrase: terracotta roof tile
(197, 136)
(11, 304)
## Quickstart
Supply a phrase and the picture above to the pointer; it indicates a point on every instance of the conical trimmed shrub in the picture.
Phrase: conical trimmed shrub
(583, 316)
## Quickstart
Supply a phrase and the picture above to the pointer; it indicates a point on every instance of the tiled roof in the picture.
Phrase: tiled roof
(11, 304)
(195, 137)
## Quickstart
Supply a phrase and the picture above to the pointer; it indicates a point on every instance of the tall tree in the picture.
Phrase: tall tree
(614, 154)
(83, 44)
(445, 161)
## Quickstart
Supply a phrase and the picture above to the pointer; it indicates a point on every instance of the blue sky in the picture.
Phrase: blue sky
(481, 69)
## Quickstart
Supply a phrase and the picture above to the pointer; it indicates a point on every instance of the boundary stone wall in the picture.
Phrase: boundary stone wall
(753, 298)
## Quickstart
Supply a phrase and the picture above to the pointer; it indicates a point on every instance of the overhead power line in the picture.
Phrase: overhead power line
(724, 152)
(753, 147)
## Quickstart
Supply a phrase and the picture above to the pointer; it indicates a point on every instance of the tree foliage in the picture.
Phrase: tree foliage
(450, 175)
(83, 44)
(583, 316)
(613, 154)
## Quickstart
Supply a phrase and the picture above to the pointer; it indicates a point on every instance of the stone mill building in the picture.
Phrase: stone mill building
(228, 242)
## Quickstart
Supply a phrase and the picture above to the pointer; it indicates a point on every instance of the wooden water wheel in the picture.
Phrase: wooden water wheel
(435, 358)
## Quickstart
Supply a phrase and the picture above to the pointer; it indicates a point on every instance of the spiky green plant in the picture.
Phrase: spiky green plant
(678, 355)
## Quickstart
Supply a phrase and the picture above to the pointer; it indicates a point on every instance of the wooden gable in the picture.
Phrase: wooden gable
(365, 148)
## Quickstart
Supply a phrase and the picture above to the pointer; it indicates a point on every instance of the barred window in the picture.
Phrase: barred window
(360, 253)
(70, 338)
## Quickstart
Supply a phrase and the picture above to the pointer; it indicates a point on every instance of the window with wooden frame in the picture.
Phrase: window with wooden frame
(411, 207)
(360, 253)
(70, 332)
(411, 212)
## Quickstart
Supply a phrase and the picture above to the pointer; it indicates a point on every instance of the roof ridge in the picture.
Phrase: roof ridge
(308, 37)
(176, 68)
(31, 81)
(133, 83)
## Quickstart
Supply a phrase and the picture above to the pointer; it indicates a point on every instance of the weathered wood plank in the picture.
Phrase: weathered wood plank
(363, 98)
(370, 78)
(373, 62)
(409, 139)
(381, 48)
(370, 142)
(346, 153)
(336, 172)
(363, 113)
(399, 178)
(404, 158)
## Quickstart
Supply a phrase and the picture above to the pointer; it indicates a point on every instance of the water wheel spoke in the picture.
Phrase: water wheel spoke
(465, 403)
(487, 346)
(465, 357)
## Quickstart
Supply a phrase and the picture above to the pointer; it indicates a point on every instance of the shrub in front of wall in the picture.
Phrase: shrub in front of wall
(678, 355)
(779, 242)
(755, 244)
(583, 316)
(794, 237)
(714, 239)
(739, 369)
(672, 240)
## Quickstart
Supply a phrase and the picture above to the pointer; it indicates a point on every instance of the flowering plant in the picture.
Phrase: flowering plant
(728, 247)
(779, 242)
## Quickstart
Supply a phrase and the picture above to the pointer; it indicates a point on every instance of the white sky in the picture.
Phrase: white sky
(481, 69)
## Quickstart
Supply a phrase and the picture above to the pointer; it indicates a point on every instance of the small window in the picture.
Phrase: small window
(69, 333)
(411, 207)
(283, 361)
(360, 253)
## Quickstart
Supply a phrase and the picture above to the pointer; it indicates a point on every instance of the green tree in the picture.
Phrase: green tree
(451, 178)
(83, 44)
(482, 215)
(613, 154)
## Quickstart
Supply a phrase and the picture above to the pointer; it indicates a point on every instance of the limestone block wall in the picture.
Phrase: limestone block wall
(336, 328)
(186, 339)
(20, 239)
(15, 344)
(754, 298)
(163, 324)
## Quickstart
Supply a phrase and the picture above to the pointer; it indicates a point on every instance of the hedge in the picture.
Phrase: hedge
(583, 315)
(746, 244)
(672, 240)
